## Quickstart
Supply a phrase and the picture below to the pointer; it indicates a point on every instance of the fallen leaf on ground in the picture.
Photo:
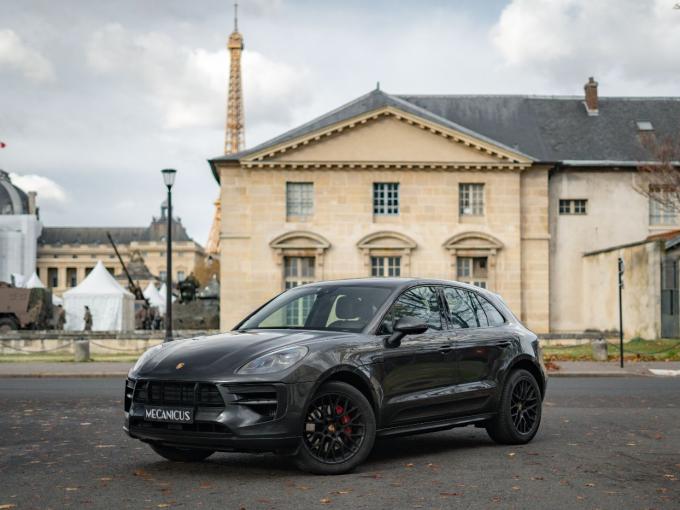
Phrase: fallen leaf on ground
(409, 465)
(324, 501)
(449, 493)
(7, 506)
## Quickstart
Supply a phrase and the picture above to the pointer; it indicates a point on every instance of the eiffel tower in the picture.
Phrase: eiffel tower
(234, 139)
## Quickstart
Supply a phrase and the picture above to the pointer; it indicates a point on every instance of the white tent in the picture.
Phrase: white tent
(155, 299)
(34, 282)
(112, 307)
(163, 292)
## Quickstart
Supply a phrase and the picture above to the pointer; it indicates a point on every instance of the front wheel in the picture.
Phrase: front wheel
(519, 410)
(338, 430)
(181, 454)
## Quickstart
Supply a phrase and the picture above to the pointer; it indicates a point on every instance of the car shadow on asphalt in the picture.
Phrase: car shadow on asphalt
(397, 451)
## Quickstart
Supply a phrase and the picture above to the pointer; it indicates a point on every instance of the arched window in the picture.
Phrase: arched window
(473, 258)
(387, 253)
(300, 254)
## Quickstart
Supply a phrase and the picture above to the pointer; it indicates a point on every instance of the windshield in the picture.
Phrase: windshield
(328, 307)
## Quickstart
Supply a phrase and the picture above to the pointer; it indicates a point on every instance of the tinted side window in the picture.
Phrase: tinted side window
(419, 302)
(493, 316)
(461, 313)
(480, 316)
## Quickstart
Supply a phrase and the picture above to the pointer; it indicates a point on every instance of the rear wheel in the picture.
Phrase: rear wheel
(8, 324)
(338, 430)
(181, 454)
(519, 410)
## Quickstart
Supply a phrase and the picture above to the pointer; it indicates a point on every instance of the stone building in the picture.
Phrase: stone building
(506, 192)
(67, 254)
(19, 230)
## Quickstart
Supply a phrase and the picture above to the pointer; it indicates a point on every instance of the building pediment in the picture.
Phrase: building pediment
(299, 240)
(473, 241)
(386, 240)
(387, 137)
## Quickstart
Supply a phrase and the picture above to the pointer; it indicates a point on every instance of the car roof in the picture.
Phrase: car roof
(393, 282)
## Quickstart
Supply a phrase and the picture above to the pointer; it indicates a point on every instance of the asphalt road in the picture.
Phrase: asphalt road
(604, 443)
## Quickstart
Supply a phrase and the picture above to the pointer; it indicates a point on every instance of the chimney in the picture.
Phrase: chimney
(591, 97)
(31, 202)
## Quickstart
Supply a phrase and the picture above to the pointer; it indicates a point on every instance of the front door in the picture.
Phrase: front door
(418, 376)
(481, 344)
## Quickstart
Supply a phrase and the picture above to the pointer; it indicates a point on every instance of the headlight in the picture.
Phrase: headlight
(146, 356)
(274, 361)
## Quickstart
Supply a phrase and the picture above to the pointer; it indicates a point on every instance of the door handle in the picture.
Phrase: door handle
(444, 349)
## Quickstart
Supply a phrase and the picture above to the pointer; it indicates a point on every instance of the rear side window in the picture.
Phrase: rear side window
(470, 310)
(486, 313)
(419, 302)
(461, 313)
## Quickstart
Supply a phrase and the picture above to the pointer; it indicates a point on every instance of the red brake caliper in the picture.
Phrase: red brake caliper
(344, 420)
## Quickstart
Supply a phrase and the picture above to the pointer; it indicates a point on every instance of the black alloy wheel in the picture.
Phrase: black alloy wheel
(523, 406)
(338, 430)
(519, 410)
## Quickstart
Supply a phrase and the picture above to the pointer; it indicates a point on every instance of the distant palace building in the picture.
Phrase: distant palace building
(66, 255)
(530, 196)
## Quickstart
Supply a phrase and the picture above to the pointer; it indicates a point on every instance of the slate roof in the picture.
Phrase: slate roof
(97, 235)
(544, 128)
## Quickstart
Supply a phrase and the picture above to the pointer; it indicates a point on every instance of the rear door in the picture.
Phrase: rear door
(481, 343)
(417, 377)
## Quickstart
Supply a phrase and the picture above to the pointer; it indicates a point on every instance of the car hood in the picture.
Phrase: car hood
(219, 356)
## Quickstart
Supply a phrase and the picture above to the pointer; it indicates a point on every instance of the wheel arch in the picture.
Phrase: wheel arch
(530, 365)
(355, 378)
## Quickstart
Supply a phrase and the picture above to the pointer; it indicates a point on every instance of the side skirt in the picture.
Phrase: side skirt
(433, 426)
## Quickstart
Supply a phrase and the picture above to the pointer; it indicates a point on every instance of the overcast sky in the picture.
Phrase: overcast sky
(97, 96)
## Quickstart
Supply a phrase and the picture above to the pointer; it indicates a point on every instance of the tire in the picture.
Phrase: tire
(338, 430)
(519, 410)
(181, 454)
(8, 324)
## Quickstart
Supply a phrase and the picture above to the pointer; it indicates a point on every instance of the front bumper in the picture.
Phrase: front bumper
(251, 417)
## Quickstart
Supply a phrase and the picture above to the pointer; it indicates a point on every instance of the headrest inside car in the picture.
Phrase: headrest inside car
(347, 307)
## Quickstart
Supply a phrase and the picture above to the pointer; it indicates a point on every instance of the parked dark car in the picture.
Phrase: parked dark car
(323, 369)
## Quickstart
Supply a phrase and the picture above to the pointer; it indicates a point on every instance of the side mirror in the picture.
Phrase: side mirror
(405, 326)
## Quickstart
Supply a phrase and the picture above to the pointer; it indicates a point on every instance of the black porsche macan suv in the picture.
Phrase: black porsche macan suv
(323, 369)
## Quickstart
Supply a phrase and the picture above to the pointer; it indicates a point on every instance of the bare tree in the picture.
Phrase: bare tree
(659, 177)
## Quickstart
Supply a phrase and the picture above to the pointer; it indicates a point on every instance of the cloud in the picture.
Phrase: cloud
(15, 55)
(628, 39)
(188, 85)
(47, 189)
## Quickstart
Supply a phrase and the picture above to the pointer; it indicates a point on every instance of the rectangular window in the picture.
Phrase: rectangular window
(71, 276)
(111, 270)
(298, 271)
(299, 199)
(662, 211)
(52, 277)
(573, 206)
(473, 270)
(386, 198)
(180, 276)
(471, 199)
(163, 275)
(385, 266)
(88, 270)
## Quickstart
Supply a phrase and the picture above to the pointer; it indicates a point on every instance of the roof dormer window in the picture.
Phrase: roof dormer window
(644, 126)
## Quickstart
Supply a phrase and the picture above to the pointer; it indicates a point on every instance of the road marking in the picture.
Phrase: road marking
(665, 372)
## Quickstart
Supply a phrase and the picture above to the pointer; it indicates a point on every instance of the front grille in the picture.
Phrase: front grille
(177, 393)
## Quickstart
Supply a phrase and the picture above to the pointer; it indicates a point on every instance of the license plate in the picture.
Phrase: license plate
(169, 414)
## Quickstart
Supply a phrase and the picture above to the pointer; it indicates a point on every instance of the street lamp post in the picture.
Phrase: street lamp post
(169, 180)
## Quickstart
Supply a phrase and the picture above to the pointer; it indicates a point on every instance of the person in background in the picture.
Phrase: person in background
(88, 319)
(61, 317)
